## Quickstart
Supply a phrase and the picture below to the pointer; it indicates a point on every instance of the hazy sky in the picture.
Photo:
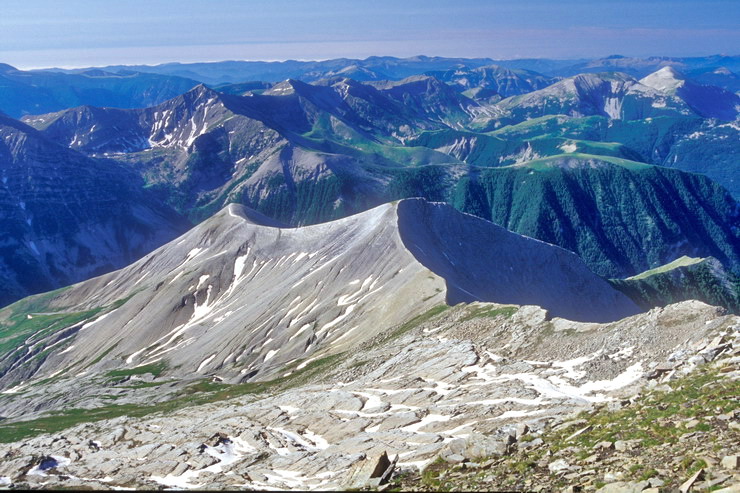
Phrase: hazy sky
(74, 33)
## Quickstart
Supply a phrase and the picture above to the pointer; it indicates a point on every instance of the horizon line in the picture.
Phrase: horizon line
(318, 60)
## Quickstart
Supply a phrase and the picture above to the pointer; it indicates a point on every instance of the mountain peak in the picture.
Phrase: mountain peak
(198, 95)
(667, 79)
(285, 88)
(723, 71)
(202, 90)
(669, 71)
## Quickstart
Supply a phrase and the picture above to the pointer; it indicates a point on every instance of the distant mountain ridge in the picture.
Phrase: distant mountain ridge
(387, 67)
(67, 217)
(35, 92)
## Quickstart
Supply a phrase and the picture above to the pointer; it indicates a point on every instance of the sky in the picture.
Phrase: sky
(83, 33)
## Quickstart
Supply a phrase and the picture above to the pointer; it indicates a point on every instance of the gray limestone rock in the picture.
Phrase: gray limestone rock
(371, 468)
(624, 487)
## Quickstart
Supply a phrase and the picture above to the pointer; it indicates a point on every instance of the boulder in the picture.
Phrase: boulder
(371, 472)
(558, 466)
(731, 462)
(454, 458)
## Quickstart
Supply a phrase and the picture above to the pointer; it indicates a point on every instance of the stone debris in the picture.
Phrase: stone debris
(445, 399)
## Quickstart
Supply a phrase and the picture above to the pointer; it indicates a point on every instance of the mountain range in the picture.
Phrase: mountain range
(274, 274)
(305, 153)
(385, 67)
(29, 92)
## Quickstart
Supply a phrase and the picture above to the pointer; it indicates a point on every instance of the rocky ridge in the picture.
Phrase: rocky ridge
(241, 300)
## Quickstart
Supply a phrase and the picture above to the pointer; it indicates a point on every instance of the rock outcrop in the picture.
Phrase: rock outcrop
(482, 386)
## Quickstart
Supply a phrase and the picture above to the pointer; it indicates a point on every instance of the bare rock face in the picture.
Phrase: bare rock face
(456, 386)
(239, 298)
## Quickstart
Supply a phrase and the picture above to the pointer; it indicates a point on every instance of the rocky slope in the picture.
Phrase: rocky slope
(666, 438)
(67, 217)
(470, 385)
(243, 301)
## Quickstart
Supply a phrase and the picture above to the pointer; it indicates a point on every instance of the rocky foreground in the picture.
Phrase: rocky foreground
(477, 396)
(678, 436)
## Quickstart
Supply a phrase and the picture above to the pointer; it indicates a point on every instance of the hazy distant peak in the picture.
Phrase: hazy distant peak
(723, 71)
(667, 79)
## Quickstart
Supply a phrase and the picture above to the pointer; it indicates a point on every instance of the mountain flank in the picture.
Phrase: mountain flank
(242, 301)
(68, 217)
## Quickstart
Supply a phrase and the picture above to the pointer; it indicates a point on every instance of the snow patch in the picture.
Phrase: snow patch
(430, 418)
(339, 319)
(201, 280)
(14, 390)
(569, 147)
(99, 319)
(205, 362)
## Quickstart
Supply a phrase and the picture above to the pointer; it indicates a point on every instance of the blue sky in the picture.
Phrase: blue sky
(74, 33)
